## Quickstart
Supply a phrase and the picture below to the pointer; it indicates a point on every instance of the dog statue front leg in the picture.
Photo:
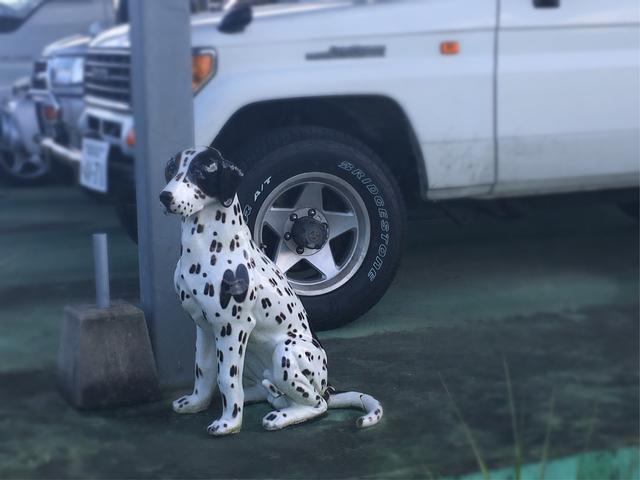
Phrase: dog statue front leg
(205, 374)
(231, 344)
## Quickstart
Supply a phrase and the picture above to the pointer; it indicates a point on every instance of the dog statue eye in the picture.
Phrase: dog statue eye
(171, 169)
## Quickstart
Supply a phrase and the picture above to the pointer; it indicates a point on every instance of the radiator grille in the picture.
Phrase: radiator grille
(107, 76)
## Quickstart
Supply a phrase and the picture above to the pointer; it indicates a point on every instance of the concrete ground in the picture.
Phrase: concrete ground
(548, 287)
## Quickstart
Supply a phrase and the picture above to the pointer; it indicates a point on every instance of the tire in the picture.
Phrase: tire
(124, 201)
(128, 217)
(631, 209)
(19, 170)
(356, 192)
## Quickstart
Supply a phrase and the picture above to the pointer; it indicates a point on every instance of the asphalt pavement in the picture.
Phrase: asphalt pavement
(545, 289)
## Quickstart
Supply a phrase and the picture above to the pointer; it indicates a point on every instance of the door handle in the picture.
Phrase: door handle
(546, 3)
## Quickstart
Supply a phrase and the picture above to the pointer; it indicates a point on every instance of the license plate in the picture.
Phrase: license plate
(93, 168)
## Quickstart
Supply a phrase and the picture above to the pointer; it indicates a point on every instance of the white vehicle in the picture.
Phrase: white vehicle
(340, 111)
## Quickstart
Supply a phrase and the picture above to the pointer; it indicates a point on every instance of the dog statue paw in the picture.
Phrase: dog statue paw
(247, 315)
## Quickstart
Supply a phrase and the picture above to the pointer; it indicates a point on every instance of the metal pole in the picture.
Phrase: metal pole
(101, 269)
(160, 38)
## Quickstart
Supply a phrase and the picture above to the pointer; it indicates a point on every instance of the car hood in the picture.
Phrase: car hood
(288, 22)
(73, 45)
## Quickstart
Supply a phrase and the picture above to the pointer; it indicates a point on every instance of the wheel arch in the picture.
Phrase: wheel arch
(377, 121)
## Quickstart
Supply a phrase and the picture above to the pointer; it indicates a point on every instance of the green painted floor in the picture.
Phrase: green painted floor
(548, 285)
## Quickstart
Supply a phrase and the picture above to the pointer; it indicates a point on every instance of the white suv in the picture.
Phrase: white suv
(339, 111)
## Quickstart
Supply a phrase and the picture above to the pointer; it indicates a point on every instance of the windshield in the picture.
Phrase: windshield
(19, 9)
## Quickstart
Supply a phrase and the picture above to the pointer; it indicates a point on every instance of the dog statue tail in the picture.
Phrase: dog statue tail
(362, 401)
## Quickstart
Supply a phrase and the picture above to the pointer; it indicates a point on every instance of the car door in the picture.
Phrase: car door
(567, 95)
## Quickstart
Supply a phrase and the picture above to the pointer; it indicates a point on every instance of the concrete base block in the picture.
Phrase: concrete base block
(105, 357)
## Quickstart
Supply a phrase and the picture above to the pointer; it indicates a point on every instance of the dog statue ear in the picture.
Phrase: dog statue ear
(229, 177)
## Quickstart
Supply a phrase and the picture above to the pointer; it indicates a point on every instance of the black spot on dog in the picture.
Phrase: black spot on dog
(233, 370)
(213, 259)
(223, 332)
(200, 229)
(271, 416)
(234, 285)
(215, 245)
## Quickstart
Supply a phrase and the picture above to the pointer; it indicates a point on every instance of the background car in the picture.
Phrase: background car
(60, 102)
(20, 159)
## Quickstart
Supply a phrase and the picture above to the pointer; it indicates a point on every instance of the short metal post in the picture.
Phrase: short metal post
(101, 265)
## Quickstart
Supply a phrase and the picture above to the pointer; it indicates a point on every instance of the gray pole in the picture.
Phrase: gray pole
(101, 269)
(163, 116)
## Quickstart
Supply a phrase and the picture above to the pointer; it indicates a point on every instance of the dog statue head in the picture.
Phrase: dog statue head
(198, 177)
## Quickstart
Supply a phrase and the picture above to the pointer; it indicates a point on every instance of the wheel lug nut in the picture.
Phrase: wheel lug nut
(299, 250)
(263, 246)
(293, 217)
(287, 236)
(312, 212)
(325, 225)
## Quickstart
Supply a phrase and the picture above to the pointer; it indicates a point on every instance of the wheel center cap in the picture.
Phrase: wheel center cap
(307, 232)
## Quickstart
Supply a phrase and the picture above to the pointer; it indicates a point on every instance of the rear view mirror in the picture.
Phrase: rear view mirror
(13, 13)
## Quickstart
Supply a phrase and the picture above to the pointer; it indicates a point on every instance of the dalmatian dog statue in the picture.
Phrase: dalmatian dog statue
(252, 329)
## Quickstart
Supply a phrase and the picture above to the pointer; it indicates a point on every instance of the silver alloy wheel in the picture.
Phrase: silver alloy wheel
(335, 220)
(23, 166)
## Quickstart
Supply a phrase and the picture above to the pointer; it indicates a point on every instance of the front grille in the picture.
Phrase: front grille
(107, 76)
(39, 76)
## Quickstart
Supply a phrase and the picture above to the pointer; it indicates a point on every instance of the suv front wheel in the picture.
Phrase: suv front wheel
(329, 213)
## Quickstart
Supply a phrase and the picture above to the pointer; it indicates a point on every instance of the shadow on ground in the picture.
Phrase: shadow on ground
(552, 291)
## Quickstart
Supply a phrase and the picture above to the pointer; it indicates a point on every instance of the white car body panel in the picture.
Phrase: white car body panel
(568, 101)
(555, 110)
(436, 92)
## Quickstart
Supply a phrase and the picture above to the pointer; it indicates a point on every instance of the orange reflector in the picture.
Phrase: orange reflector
(131, 138)
(50, 112)
(450, 47)
(201, 66)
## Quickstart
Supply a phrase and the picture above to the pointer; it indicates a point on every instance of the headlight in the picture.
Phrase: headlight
(203, 67)
(66, 70)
